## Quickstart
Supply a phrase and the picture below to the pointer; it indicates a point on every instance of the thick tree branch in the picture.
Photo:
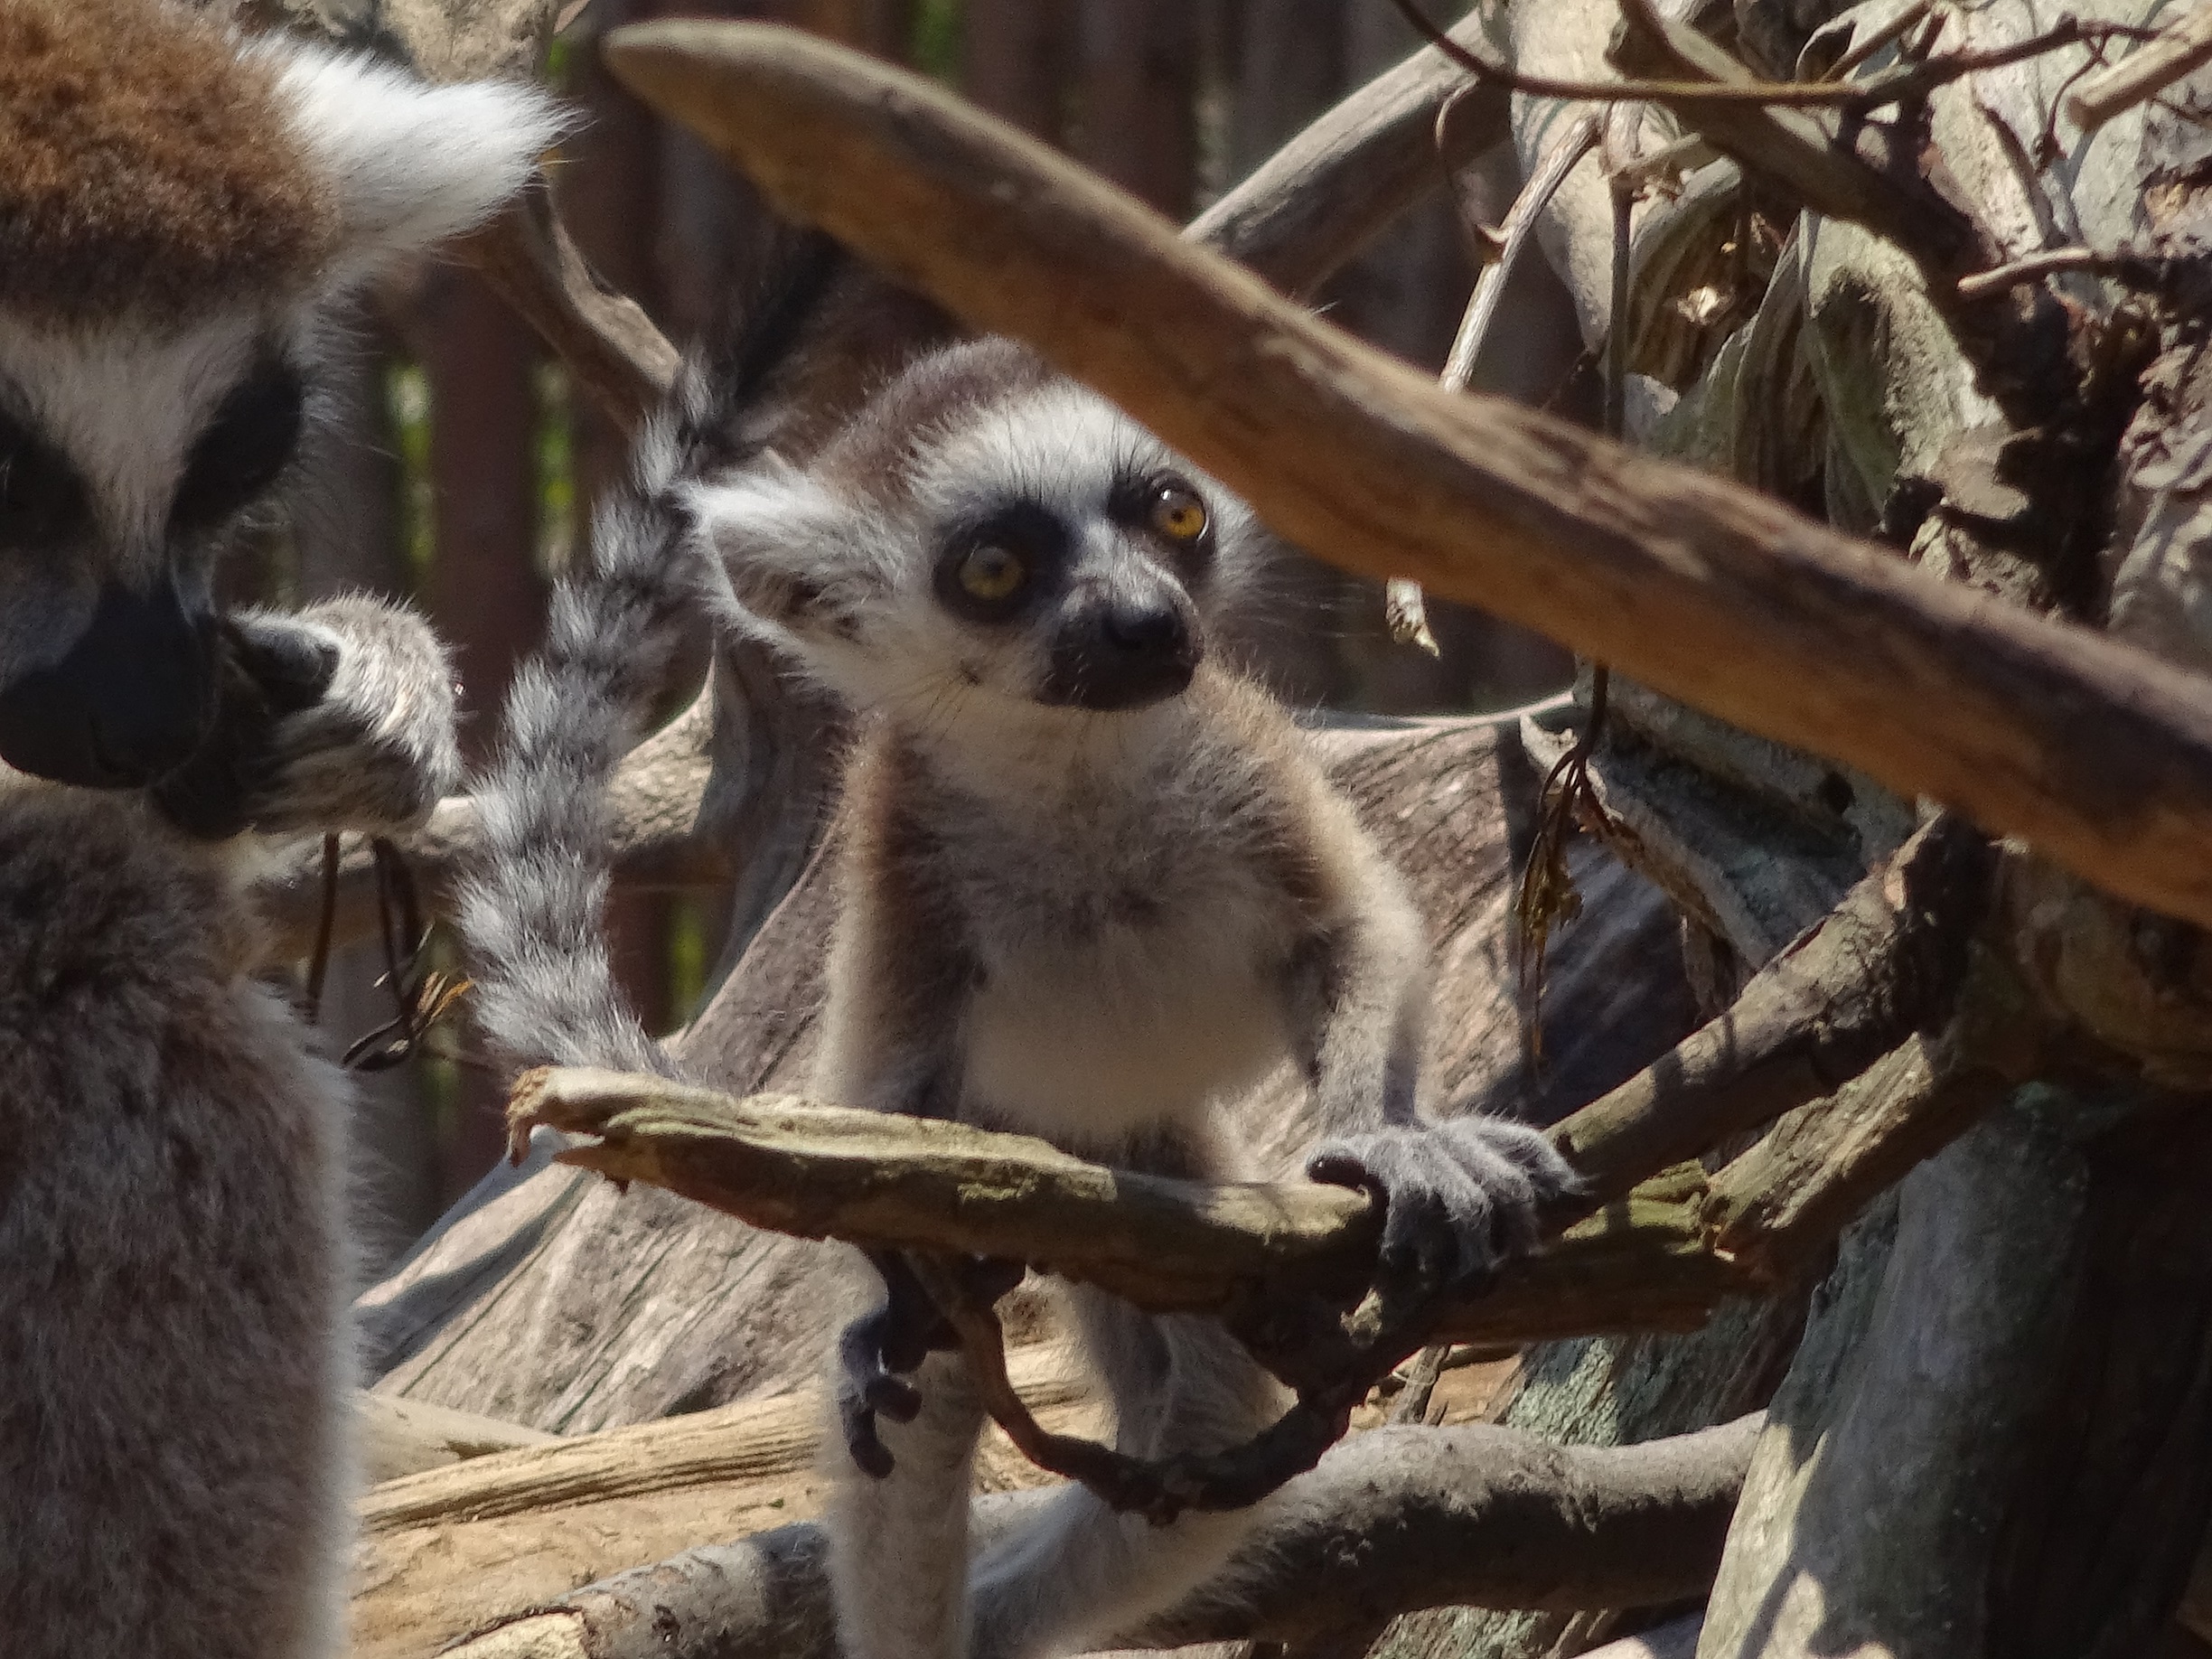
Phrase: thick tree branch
(1169, 1246)
(1702, 589)
(1885, 963)
(1392, 1522)
(604, 337)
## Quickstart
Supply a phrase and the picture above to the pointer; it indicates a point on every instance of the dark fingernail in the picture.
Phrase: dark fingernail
(889, 1397)
(868, 1453)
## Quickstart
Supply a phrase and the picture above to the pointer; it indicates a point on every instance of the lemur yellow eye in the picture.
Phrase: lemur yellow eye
(990, 572)
(1178, 513)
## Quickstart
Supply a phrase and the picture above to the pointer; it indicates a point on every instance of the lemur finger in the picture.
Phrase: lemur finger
(293, 665)
(862, 1445)
(893, 1397)
(1532, 1149)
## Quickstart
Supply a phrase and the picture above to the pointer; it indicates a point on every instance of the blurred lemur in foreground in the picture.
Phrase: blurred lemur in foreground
(182, 209)
(1093, 887)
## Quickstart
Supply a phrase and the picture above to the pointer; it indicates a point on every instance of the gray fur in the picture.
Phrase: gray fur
(174, 1360)
(1069, 907)
(531, 913)
(376, 752)
(1098, 926)
(176, 1476)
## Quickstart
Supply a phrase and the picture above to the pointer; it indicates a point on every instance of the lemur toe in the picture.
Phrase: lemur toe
(1459, 1198)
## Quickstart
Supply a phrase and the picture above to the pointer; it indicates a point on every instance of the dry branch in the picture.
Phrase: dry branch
(603, 337)
(1700, 589)
(440, 1554)
(1167, 1245)
(1885, 963)
(2184, 48)
(1396, 1519)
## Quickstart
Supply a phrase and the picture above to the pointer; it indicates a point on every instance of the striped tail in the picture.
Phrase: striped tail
(532, 911)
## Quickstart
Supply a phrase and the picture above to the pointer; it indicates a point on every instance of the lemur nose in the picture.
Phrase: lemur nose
(129, 701)
(1144, 631)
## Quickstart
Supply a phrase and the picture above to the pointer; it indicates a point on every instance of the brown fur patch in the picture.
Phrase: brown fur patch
(143, 166)
(869, 458)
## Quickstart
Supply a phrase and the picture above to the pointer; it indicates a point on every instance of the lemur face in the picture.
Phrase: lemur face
(993, 529)
(128, 460)
(181, 210)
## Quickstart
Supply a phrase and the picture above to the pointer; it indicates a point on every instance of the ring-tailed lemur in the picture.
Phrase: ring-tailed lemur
(180, 209)
(1093, 887)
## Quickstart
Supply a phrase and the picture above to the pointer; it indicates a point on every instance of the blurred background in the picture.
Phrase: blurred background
(460, 473)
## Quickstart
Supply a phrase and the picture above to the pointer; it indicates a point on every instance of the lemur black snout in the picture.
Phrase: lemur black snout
(1123, 654)
(129, 703)
(1145, 631)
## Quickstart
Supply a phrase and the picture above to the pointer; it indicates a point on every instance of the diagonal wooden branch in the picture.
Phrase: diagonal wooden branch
(604, 337)
(1699, 587)
(1885, 963)
(1392, 1522)
(1167, 1245)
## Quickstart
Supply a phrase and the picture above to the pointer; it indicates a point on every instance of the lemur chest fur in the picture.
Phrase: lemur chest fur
(1119, 900)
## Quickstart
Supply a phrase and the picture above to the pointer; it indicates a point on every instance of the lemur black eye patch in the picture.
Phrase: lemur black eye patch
(41, 500)
(246, 444)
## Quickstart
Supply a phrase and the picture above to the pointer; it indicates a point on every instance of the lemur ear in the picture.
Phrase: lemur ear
(410, 163)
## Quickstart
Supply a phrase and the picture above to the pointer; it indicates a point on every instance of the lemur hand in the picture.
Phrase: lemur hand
(877, 1351)
(340, 718)
(1459, 1197)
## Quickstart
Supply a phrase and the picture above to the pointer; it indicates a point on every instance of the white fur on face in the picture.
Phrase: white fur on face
(894, 647)
(410, 165)
(125, 404)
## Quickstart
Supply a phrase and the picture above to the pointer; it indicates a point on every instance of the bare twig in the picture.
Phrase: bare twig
(1699, 588)
(1565, 152)
(1875, 40)
(2178, 50)
(2133, 268)
(1896, 86)
(1404, 605)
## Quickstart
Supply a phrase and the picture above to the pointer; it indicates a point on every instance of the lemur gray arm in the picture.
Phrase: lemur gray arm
(898, 985)
(1460, 1194)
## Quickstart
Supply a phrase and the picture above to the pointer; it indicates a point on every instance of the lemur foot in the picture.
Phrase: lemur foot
(1459, 1197)
(876, 1352)
(340, 718)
